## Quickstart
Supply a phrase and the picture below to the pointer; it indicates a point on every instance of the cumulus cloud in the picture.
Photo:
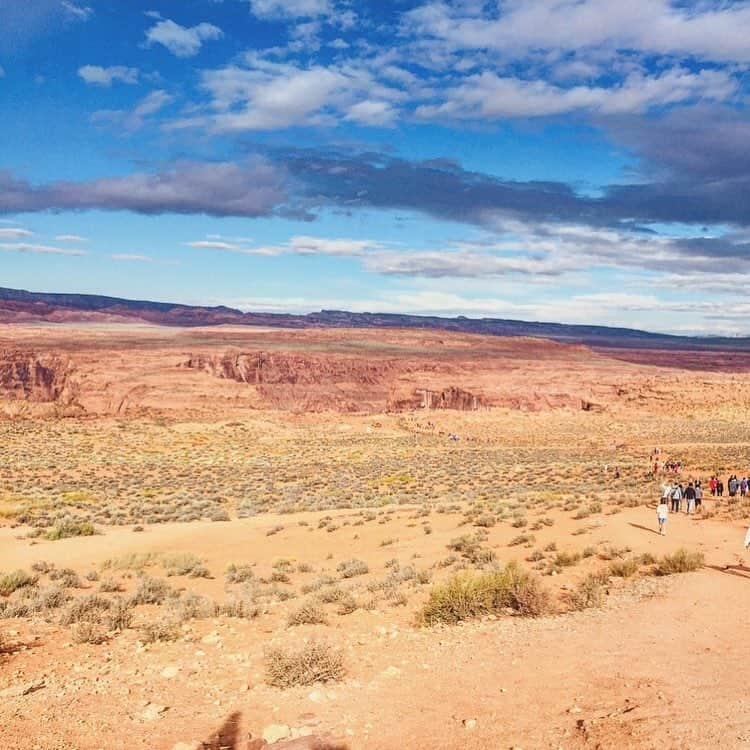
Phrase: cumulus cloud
(250, 188)
(268, 95)
(708, 31)
(97, 75)
(182, 41)
(487, 95)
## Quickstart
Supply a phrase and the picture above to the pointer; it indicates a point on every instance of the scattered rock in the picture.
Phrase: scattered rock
(275, 732)
(153, 711)
(195, 745)
(392, 672)
(170, 672)
(470, 723)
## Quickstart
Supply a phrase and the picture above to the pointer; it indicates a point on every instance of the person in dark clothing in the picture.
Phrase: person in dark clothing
(689, 498)
(676, 498)
(719, 488)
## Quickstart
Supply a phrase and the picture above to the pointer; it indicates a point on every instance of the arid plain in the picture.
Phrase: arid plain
(365, 539)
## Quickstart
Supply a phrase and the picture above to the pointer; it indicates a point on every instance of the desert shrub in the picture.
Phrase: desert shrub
(304, 567)
(279, 576)
(110, 585)
(160, 630)
(243, 607)
(466, 596)
(42, 566)
(589, 592)
(680, 561)
(69, 527)
(34, 601)
(89, 608)
(192, 606)
(347, 604)
(89, 632)
(352, 568)
(471, 549)
(239, 573)
(120, 614)
(183, 564)
(535, 556)
(66, 577)
(486, 520)
(18, 579)
(521, 539)
(308, 614)
(274, 530)
(314, 662)
(566, 559)
(132, 561)
(219, 515)
(624, 568)
(92, 576)
(150, 591)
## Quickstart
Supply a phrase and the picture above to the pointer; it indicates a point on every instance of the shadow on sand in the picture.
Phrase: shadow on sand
(644, 528)
(228, 737)
(740, 570)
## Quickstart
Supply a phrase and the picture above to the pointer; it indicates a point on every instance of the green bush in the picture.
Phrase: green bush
(680, 561)
(467, 595)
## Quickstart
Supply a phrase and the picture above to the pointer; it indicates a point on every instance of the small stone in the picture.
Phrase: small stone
(575, 710)
(170, 672)
(152, 712)
(470, 723)
(275, 732)
(392, 672)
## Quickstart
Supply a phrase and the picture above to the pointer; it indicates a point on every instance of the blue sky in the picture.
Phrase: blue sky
(566, 160)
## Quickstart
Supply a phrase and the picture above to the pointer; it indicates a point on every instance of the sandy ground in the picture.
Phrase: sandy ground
(660, 666)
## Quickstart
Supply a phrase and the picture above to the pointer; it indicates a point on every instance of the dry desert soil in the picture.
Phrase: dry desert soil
(430, 522)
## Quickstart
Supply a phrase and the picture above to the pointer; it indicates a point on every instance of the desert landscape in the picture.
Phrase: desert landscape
(228, 536)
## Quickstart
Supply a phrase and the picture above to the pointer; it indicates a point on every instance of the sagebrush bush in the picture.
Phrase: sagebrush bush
(89, 608)
(624, 568)
(160, 630)
(69, 528)
(150, 591)
(310, 613)
(352, 568)
(239, 573)
(589, 592)
(89, 632)
(18, 579)
(680, 561)
(470, 595)
(314, 662)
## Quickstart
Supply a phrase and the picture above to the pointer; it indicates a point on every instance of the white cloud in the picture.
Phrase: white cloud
(274, 9)
(180, 40)
(267, 95)
(2, 72)
(132, 120)
(14, 233)
(489, 95)
(97, 75)
(79, 12)
(26, 247)
(703, 30)
(131, 258)
(70, 238)
(297, 245)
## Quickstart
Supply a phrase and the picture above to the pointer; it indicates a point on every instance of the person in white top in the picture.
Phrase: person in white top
(747, 539)
(662, 513)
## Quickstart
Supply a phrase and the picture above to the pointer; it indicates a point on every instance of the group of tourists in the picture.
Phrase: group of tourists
(734, 486)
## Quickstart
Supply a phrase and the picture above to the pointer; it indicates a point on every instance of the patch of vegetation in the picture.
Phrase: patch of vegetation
(314, 662)
(680, 561)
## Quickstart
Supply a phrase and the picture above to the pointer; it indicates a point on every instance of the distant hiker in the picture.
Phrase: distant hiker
(719, 488)
(662, 512)
(666, 491)
(698, 496)
(712, 485)
(676, 497)
(732, 485)
(617, 472)
(743, 487)
(747, 538)
(689, 498)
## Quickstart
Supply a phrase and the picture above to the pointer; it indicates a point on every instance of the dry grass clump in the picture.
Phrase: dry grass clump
(184, 564)
(150, 591)
(680, 561)
(470, 548)
(132, 561)
(624, 568)
(110, 585)
(239, 573)
(160, 630)
(89, 608)
(352, 568)
(70, 527)
(590, 592)
(307, 614)
(314, 662)
(89, 632)
(467, 596)
(18, 579)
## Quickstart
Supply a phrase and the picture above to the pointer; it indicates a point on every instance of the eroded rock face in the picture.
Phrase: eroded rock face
(30, 377)
(448, 398)
(269, 368)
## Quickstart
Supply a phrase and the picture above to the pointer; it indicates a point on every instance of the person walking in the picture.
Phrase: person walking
(719, 488)
(743, 487)
(676, 498)
(698, 496)
(712, 485)
(662, 513)
(689, 498)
